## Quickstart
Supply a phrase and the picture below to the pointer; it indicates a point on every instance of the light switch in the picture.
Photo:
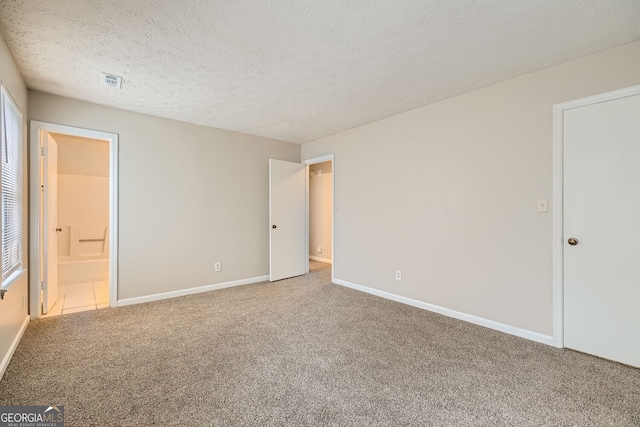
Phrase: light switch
(543, 205)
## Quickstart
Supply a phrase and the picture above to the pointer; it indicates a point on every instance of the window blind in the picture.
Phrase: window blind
(11, 166)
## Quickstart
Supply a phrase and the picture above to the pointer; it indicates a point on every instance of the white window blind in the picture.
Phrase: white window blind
(11, 166)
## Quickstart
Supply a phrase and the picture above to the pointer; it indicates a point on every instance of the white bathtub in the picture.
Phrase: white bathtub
(74, 272)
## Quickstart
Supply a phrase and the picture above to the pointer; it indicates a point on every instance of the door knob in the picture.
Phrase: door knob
(274, 226)
(572, 241)
(58, 230)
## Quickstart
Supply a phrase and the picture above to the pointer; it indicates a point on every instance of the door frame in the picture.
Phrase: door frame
(558, 199)
(313, 161)
(45, 215)
(36, 129)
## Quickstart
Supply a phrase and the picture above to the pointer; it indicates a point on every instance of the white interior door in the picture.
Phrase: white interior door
(50, 217)
(602, 212)
(287, 216)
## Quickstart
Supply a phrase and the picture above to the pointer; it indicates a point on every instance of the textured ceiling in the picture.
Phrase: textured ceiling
(297, 70)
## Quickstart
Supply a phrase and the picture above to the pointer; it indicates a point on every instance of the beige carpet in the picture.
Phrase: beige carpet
(305, 352)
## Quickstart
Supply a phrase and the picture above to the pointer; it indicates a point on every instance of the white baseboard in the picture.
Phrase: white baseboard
(14, 345)
(522, 333)
(190, 291)
(317, 258)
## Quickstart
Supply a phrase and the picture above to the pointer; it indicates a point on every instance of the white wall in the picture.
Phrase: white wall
(447, 193)
(189, 196)
(83, 197)
(13, 312)
(83, 215)
(82, 156)
(320, 210)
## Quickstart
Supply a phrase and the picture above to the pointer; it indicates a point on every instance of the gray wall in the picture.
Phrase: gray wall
(447, 193)
(189, 196)
(13, 312)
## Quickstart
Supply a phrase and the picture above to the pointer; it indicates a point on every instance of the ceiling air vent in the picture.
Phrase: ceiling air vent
(111, 80)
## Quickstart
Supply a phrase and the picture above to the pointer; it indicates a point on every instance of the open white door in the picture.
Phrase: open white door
(287, 216)
(601, 227)
(50, 218)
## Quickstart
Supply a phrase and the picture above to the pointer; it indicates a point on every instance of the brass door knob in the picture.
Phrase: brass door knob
(572, 241)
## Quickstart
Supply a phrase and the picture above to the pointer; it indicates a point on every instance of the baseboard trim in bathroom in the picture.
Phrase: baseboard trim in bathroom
(317, 258)
(183, 292)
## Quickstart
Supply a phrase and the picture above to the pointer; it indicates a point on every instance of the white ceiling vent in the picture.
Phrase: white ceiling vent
(111, 80)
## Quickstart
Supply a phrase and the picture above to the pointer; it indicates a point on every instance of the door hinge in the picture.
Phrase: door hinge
(42, 286)
(43, 151)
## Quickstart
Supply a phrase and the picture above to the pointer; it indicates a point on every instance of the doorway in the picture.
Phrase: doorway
(597, 206)
(73, 254)
(320, 212)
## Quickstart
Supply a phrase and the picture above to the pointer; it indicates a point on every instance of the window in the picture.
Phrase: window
(12, 190)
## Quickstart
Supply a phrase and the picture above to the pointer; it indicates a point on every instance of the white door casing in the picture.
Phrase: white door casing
(601, 209)
(50, 240)
(288, 251)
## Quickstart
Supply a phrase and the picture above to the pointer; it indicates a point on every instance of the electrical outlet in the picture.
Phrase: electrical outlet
(398, 275)
(319, 248)
(24, 299)
(543, 205)
(217, 266)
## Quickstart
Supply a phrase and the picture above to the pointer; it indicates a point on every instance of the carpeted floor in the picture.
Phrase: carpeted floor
(306, 352)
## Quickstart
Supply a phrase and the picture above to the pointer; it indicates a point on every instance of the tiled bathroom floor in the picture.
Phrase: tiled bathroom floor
(81, 297)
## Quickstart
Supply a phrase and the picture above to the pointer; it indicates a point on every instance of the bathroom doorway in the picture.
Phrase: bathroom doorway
(75, 252)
